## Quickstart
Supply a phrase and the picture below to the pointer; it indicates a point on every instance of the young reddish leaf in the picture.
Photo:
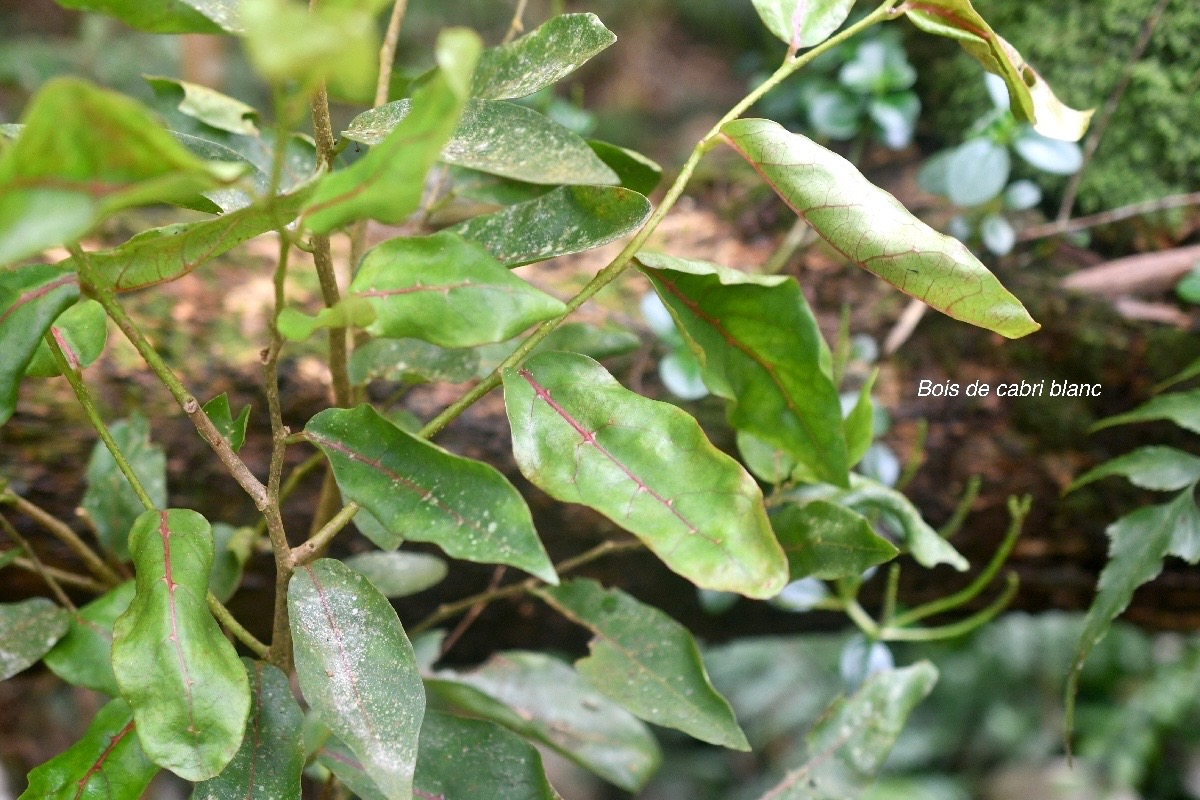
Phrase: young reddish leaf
(31, 298)
(110, 502)
(871, 228)
(28, 630)
(106, 764)
(271, 758)
(803, 23)
(647, 662)
(829, 541)
(583, 438)
(759, 347)
(84, 656)
(358, 671)
(180, 675)
(541, 57)
(418, 491)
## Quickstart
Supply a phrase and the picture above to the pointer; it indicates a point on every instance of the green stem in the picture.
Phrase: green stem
(848, 591)
(963, 508)
(955, 629)
(302, 554)
(61, 531)
(233, 626)
(619, 264)
(889, 595)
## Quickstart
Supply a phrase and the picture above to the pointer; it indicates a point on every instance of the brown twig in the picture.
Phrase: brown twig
(387, 53)
(63, 576)
(471, 615)
(38, 566)
(518, 22)
(61, 531)
(1106, 217)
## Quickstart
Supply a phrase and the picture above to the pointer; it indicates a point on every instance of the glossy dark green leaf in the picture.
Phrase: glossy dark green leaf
(475, 758)
(31, 298)
(167, 16)
(349, 312)
(84, 154)
(174, 666)
(399, 574)
(231, 429)
(1030, 97)
(828, 541)
(583, 438)
(405, 360)
(803, 23)
(106, 764)
(290, 42)
(570, 219)
(541, 57)
(81, 331)
(357, 670)
(420, 492)
(635, 171)
(84, 656)
(271, 758)
(1182, 408)
(1161, 469)
(545, 700)
(647, 662)
(232, 548)
(109, 500)
(386, 184)
(500, 138)
(854, 736)
(28, 630)
(871, 228)
(447, 291)
(759, 347)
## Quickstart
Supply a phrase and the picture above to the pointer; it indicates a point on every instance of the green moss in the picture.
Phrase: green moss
(1152, 146)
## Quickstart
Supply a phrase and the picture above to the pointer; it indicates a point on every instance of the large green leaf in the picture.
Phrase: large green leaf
(759, 347)
(541, 57)
(84, 154)
(180, 675)
(358, 671)
(870, 227)
(271, 758)
(207, 105)
(849, 744)
(109, 500)
(81, 332)
(165, 254)
(290, 42)
(470, 758)
(647, 662)
(419, 491)
(570, 219)
(31, 298)
(500, 138)
(106, 764)
(583, 438)
(28, 630)
(1030, 97)
(545, 700)
(167, 16)
(803, 23)
(1161, 469)
(635, 171)
(386, 184)
(405, 360)
(1182, 408)
(447, 291)
(829, 541)
(84, 656)
(399, 574)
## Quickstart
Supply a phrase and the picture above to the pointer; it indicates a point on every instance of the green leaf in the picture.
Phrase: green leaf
(1160, 469)
(859, 424)
(1022, 195)
(386, 184)
(803, 23)
(500, 138)
(647, 662)
(998, 234)
(759, 347)
(541, 57)
(854, 736)
(271, 758)
(1030, 97)
(81, 331)
(31, 298)
(635, 171)
(288, 41)
(357, 670)
(399, 574)
(1182, 408)
(1188, 288)
(829, 541)
(581, 437)
(411, 360)
(167, 16)
(896, 115)
(870, 227)
(110, 502)
(420, 492)
(595, 341)
(570, 219)
(84, 656)
(977, 172)
(349, 312)
(207, 105)
(231, 430)
(165, 254)
(232, 549)
(447, 291)
(545, 700)
(106, 764)
(1049, 155)
(336, 757)
(767, 462)
(178, 672)
(474, 758)
(84, 154)
(28, 630)
(257, 155)
(836, 114)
